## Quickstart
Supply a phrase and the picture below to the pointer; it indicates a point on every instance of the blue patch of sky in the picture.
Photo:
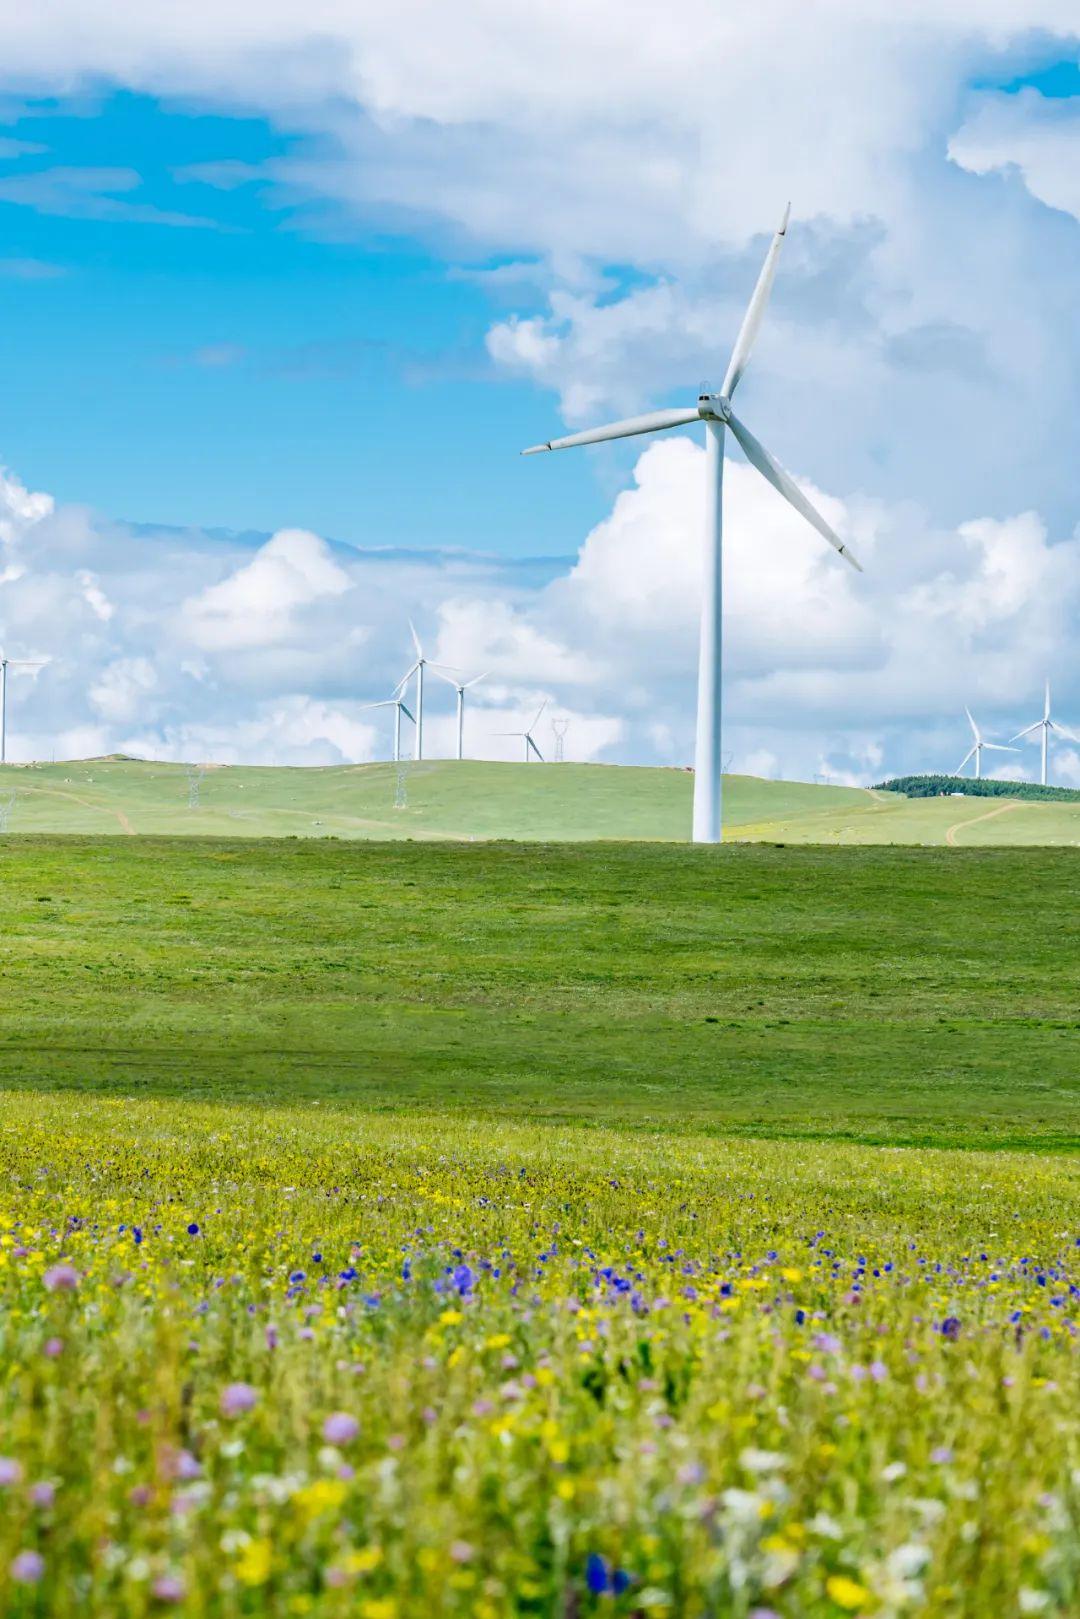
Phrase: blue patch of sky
(241, 373)
(1056, 79)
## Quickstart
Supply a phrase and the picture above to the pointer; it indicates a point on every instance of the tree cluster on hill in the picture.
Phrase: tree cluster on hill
(941, 786)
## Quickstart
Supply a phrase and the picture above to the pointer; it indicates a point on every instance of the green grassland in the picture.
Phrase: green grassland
(444, 799)
(879, 994)
(392, 1228)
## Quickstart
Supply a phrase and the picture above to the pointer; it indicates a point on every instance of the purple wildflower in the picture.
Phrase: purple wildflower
(27, 1568)
(339, 1428)
(10, 1470)
(62, 1278)
(43, 1494)
(169, 1588)
(236, 1398)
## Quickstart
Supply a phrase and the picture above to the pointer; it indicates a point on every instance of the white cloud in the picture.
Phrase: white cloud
(1032, 135)
(222, 651)
(255, 606)
(124, 687)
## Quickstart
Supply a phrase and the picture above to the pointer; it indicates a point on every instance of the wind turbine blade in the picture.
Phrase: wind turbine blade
(408, 713)
(1056, 725)
(437, 669)
(759, 457)
(533, 746)
(971, 722)
(415, 639)
(655, 422)
(1036, 727)
(965, 760)
(539, 711)
(506, 733)
(1046, 710)
(406, 677)
(476, 679)
(388, 703)
(755, 311)
(1000, 747)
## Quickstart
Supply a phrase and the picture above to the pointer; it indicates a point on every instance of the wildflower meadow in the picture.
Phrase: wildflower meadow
(299, 1360)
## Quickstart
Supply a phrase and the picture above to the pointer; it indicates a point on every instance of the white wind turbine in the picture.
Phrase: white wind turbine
(5, 664)
(716, 412)
(527, 735)
(417, 669)
(399, 706)
(1046, 725)
(461, 687)
(976, 750)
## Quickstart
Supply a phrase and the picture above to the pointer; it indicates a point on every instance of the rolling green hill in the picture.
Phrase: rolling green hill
(442, 799)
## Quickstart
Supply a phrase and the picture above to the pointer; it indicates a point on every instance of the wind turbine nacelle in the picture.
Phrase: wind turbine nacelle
(714, 407)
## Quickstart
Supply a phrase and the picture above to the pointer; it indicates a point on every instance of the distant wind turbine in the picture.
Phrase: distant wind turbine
(5, 664)
(461, 687)
(716, 412)
(1046, 725)
(417, 669)
(976, 750)
(527, 735)
(399, 706)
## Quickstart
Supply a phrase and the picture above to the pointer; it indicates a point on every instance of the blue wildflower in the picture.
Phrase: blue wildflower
(596, 1574)
(463, 1279)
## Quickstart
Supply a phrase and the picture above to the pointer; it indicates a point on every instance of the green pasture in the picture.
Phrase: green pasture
(873, 994)
(446, 800)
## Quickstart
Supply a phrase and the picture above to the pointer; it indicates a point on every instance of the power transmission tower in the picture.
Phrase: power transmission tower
(560, 727)
(195, 774)
(401, 791)
(6, 807)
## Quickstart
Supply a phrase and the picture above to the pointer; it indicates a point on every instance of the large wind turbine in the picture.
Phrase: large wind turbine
(1046, 725)
(461, 687)
(417, 669)
(527, 735)
(399, 706)
(716, 412)
(976, 750)
(5, 664)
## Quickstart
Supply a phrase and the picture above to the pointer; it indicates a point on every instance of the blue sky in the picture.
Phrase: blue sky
(326, 269)
(253, 369)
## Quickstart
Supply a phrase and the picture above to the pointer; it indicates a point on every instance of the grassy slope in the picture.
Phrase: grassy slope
(472, 800)
(880, 994)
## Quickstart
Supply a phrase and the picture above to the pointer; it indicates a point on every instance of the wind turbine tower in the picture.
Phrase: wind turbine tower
(527, 736)
(461, 687)
(400, 707)
(1044, 727)
(716, 413)
(417, 669)
(5, 664)
(976, 750)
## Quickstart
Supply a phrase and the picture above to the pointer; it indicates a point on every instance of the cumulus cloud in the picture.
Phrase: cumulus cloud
(1031, 135)
(230, 650)
(255, 606)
